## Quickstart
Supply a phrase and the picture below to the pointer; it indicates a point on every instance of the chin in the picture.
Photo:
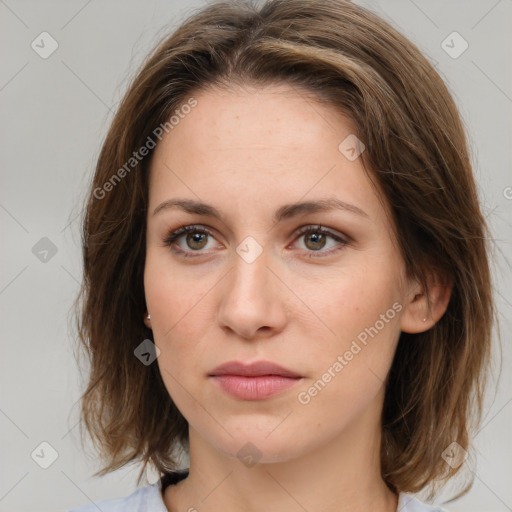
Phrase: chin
(252, 446)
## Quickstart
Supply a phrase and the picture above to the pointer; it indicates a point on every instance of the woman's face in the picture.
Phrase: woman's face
(325, 304)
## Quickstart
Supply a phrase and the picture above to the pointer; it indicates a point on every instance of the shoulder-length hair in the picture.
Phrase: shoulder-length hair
(416, 155)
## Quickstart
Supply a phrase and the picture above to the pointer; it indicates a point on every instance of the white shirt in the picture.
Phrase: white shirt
(149, 499)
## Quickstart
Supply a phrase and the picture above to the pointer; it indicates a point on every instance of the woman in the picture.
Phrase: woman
(286, 276)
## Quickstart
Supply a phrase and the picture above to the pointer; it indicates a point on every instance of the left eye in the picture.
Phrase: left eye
(315, 238)
(196, 238)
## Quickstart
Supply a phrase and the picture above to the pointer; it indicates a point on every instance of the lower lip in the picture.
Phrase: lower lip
(254, 388)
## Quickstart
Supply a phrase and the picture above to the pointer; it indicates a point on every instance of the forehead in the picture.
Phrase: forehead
(273, 115)
(269, 144)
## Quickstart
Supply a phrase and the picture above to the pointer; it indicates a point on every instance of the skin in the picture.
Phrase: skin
(247, 152)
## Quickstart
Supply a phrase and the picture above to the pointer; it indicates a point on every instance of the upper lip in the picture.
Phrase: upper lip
(255, 369)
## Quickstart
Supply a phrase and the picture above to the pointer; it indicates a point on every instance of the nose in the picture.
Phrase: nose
(252, 303)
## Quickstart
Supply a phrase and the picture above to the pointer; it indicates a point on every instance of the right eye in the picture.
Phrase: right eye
(196, 239)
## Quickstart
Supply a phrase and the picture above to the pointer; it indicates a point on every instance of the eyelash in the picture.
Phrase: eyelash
(171, 238)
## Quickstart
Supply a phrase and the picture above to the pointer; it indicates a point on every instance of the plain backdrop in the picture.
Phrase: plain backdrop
(54, 114)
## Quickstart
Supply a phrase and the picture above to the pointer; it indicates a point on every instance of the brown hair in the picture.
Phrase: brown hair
(416, 152)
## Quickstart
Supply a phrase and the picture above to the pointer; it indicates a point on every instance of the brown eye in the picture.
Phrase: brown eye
(315, 241)
(316, 238)
(197, 240)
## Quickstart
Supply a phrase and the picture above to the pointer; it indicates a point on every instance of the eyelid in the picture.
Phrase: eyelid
(322, 229)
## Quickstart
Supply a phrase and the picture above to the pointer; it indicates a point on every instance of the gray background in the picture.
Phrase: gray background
(54, 114)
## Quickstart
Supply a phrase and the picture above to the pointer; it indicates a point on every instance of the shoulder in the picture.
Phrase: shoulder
(143, 499)
(408, 503)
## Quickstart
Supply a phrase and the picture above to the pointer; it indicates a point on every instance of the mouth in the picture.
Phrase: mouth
(256, 369)
(256, 381)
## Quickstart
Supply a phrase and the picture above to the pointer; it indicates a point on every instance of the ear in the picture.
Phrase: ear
(147, 321)
(417, 308)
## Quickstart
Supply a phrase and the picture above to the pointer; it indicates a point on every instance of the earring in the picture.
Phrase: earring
(424, 319)
(149, 316)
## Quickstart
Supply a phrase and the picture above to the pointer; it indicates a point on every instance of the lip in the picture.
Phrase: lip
(255, 381)
(256, 369)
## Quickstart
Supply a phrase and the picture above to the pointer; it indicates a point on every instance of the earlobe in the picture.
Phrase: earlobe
(147, 320)
(416, 316)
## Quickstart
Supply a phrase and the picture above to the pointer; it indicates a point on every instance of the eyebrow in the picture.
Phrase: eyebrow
(284, 212)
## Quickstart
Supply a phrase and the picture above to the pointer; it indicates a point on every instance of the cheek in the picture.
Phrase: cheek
(361, 309)
(353, 299)
(178, 317)
(351, 368)
(176, 298)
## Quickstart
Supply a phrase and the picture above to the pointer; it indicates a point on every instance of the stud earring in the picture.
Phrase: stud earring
(149, 316)
(424, 319)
